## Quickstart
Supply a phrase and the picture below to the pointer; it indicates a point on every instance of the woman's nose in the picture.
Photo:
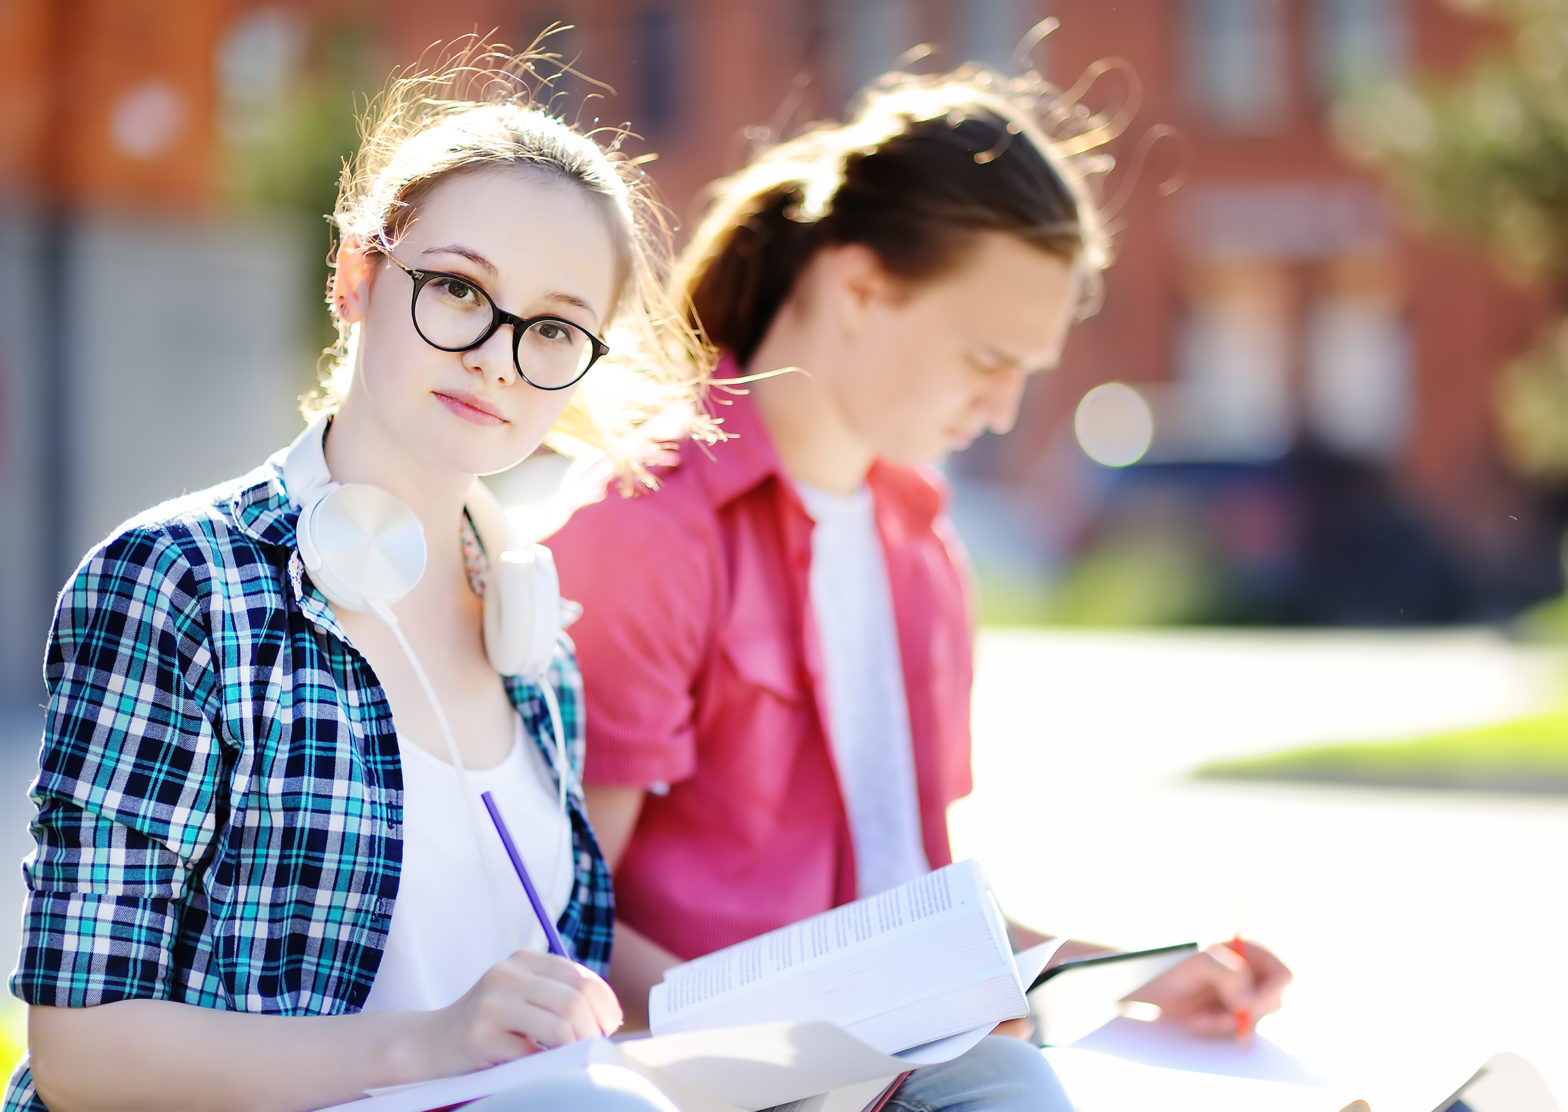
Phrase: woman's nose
(493, 358)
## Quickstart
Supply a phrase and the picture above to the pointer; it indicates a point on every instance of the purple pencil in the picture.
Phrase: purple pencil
(552, 936)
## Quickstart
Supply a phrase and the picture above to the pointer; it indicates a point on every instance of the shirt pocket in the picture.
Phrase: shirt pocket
(760, 724)
(769, 662)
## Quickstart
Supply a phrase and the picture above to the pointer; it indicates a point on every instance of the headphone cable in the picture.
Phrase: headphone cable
(384, 612)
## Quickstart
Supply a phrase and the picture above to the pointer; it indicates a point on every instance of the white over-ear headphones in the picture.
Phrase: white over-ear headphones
(365, 550)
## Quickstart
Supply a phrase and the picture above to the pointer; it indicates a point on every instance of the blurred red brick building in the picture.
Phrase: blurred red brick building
(1276, 294)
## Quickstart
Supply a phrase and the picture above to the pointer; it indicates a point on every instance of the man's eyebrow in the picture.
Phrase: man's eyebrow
(997, 355)
(488, 267)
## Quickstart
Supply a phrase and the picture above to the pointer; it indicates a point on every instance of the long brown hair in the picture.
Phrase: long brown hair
(924, 164)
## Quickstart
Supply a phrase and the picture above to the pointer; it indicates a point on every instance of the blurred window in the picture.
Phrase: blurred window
(1284, 218)
(257, 62)
(1235, 63)
(872, 35)
(1232, 396)
(1357, 395)
(1358, 41)
(657, 64)
(989, 31)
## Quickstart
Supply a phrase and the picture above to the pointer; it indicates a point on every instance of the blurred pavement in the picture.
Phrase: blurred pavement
(1420, 924)
(1424, 927)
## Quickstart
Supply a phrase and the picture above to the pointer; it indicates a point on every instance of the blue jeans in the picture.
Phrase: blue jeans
(998, 1075)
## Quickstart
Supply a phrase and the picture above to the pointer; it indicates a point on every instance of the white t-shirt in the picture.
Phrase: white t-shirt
(868, 710)
(445, 928)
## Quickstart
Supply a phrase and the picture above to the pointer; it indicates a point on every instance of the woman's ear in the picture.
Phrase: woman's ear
(351, 280)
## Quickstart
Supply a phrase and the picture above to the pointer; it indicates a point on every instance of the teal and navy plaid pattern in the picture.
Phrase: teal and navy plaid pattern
(219, 797)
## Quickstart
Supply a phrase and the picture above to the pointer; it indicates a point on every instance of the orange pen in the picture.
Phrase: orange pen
(1243, 1015)
(1239, 946)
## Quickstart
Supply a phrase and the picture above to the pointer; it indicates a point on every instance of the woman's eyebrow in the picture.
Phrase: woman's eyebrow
(488, 267)
(571, 299)
(468, 253)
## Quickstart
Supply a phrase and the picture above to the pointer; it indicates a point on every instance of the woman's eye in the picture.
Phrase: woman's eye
(455, 289)
(552, 331)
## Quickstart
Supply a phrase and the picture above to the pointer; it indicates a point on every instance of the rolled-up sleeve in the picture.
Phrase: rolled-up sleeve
(128, 778)
(643, 570)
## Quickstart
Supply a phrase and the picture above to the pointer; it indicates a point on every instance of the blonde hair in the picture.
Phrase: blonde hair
(476, 109)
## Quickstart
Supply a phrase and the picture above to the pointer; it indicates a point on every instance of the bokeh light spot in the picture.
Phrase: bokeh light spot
(147, 120)
(1114, 425)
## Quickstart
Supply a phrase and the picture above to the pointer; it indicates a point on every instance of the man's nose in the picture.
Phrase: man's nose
(1003, 398)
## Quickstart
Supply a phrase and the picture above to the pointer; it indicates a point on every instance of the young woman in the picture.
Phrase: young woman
(777, 642)
(259, 881)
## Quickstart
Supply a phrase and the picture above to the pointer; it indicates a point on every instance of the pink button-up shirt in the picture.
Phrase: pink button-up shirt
(701, 670)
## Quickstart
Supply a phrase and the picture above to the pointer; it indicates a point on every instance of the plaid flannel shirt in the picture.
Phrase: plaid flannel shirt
(219, 798)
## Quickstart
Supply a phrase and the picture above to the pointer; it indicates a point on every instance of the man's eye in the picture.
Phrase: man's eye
(986, 363)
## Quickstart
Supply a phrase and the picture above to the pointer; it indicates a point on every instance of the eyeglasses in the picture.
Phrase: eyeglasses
(453, 314)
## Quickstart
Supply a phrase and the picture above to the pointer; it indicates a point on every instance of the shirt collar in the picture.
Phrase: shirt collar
(261, 504)
(747, 458)
(264, 512)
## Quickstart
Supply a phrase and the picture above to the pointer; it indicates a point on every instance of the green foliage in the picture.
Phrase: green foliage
(1135, 583)
(1485, 155)
(1528, 753)
(284, 151)
(1533, 405)
(1127, 582)
(1013, 599)
(1545, 623)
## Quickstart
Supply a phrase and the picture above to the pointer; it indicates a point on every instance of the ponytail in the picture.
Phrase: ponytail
(754, 253)
(925, 165)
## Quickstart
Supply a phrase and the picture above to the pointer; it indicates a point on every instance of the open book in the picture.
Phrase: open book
(828, 1011)
(919, 962)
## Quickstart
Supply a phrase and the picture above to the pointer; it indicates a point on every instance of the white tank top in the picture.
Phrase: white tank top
(445, 930)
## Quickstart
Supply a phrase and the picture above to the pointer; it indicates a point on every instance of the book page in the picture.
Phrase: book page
(518, 1074)
(818, 939)
(761, 1066)
(1028, 963)
(1506, 1083)
(862, 965)
(851, 1098)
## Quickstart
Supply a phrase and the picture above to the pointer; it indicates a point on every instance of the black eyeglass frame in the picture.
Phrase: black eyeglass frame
(498, 316)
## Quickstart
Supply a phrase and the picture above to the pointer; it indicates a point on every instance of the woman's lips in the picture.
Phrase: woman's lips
(469, 408)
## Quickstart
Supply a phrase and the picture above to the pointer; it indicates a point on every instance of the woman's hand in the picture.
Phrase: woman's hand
(526, 1002)
(1209, 990)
